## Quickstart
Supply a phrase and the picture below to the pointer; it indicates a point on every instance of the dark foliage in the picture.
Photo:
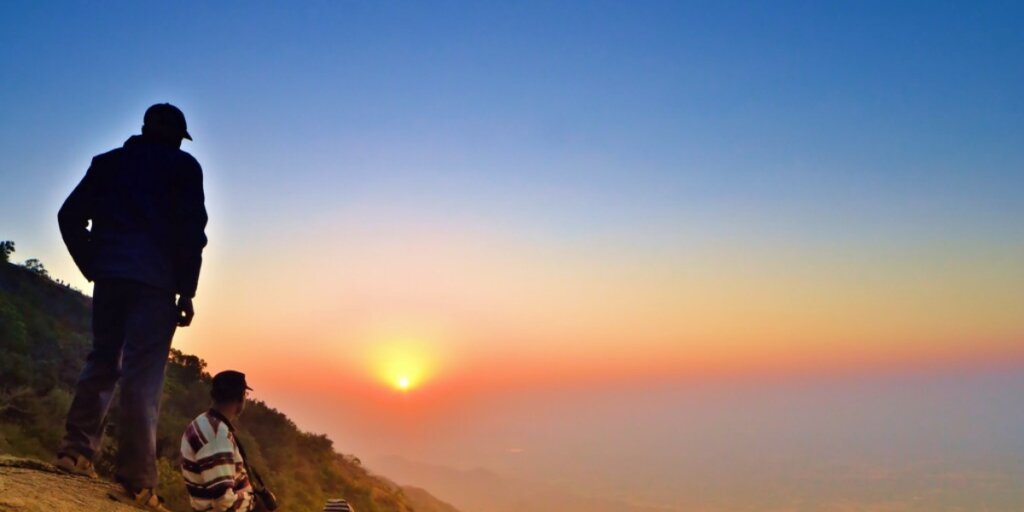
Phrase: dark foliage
(6, 249)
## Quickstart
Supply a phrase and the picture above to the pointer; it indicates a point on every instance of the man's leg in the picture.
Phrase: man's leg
(151, 321)
(95, 387)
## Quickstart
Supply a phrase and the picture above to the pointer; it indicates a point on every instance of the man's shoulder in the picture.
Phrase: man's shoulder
(187, 159)
(210, 424)
(108, 156)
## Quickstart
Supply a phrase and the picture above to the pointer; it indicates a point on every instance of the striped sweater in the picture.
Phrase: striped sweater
(338, 505)
(212, 466)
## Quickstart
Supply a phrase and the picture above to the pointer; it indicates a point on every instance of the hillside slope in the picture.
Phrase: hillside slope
(44, 338)
(423, 501)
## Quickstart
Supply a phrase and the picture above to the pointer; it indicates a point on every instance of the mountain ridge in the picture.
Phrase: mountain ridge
(482, 490)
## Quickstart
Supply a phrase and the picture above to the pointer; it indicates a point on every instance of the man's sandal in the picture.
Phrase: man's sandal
(144, 499)
(76, 465)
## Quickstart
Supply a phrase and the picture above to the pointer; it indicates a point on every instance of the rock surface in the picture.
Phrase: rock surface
(32, 486)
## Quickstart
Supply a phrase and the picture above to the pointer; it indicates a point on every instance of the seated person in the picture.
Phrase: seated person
(214, 467)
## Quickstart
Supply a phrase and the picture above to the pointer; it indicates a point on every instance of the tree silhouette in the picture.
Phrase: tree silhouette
(36, 266)
(6, 250)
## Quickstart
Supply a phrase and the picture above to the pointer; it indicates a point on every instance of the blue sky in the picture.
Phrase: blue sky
(553, 117)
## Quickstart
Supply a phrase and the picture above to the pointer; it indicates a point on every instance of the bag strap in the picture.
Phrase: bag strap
(254, 476)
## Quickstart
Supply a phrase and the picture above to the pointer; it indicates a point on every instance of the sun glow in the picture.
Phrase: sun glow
(402, 364)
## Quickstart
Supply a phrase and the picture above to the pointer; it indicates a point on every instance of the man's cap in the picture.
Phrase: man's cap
(167, 116)
(229, 383)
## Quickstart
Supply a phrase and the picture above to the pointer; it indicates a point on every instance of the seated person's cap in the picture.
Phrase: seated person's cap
(167, 116)
(229, 383)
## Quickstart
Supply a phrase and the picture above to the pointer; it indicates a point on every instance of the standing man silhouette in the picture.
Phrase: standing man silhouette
(146, 204)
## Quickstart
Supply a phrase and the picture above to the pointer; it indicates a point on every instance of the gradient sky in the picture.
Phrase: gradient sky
(497, 197)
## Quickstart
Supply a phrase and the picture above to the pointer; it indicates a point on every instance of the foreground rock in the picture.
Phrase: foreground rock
(33, 486)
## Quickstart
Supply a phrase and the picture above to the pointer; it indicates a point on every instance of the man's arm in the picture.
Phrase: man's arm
(192, 220)
(74, 217)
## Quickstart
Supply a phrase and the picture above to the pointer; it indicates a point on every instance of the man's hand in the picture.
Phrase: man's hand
(185, 311)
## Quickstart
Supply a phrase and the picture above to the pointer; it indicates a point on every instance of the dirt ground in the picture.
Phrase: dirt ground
(32, 486)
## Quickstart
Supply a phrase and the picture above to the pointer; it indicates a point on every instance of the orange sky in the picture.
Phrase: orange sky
(467, 309)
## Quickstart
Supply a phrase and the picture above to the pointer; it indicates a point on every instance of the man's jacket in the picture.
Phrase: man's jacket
(145, 202)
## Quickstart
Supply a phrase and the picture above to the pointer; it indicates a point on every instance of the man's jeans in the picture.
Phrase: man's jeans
(132, 326)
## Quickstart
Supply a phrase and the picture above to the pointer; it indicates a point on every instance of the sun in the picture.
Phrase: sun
(402, 364)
